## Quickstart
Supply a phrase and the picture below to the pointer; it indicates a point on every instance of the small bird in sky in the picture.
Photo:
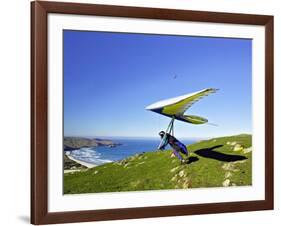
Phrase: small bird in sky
(175, 76)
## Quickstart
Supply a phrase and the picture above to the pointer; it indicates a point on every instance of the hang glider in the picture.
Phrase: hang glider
(177, 106)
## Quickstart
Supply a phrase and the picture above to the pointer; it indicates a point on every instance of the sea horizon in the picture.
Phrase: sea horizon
(158, 137)
(132, 137)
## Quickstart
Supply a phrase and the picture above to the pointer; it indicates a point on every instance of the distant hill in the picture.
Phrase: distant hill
(218, 162)
(71, 143)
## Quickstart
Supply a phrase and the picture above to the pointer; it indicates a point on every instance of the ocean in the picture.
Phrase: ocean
(104, 154)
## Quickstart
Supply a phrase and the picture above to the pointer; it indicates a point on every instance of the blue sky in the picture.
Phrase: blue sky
(109, 79)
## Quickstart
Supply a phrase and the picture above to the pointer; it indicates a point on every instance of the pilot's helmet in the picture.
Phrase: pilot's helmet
(161, 134)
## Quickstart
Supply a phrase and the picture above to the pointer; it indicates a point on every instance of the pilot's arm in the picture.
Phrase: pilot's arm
(164, 142)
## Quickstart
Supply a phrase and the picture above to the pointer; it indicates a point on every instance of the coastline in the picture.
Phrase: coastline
(92, 157)
(86, 164)
(71, 171)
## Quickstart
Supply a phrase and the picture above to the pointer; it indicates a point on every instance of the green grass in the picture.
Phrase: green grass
(158, 170)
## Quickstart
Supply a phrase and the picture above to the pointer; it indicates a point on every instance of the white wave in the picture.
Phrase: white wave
(88, 155)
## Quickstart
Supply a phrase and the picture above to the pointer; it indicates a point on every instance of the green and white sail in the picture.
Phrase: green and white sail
(177, 106)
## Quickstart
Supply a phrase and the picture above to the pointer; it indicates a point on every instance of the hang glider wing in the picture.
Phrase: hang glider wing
(175, 107)
(194, 119)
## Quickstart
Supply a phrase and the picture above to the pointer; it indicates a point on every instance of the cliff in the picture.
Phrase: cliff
(71, 143)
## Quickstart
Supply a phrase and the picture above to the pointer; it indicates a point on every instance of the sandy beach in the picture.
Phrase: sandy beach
(71, 170)
(86, 164)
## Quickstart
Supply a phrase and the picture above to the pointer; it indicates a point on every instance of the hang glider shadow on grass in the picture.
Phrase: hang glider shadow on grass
(177, 106)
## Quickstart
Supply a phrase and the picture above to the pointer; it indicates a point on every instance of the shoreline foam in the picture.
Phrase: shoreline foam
(86, 164)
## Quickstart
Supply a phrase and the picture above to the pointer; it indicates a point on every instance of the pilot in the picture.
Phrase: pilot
(176, 145)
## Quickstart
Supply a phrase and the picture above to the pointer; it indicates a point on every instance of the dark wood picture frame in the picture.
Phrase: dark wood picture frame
(39, 112)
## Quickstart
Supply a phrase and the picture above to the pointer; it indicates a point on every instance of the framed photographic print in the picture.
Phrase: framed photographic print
(148, 112)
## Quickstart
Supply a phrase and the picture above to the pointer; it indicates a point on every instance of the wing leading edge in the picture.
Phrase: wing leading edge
(175, 107)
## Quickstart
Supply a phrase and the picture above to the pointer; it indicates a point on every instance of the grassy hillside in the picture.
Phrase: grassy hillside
(69, 164)
(225, 161)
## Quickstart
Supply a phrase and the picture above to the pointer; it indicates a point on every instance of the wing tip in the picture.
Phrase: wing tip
(212, 89)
